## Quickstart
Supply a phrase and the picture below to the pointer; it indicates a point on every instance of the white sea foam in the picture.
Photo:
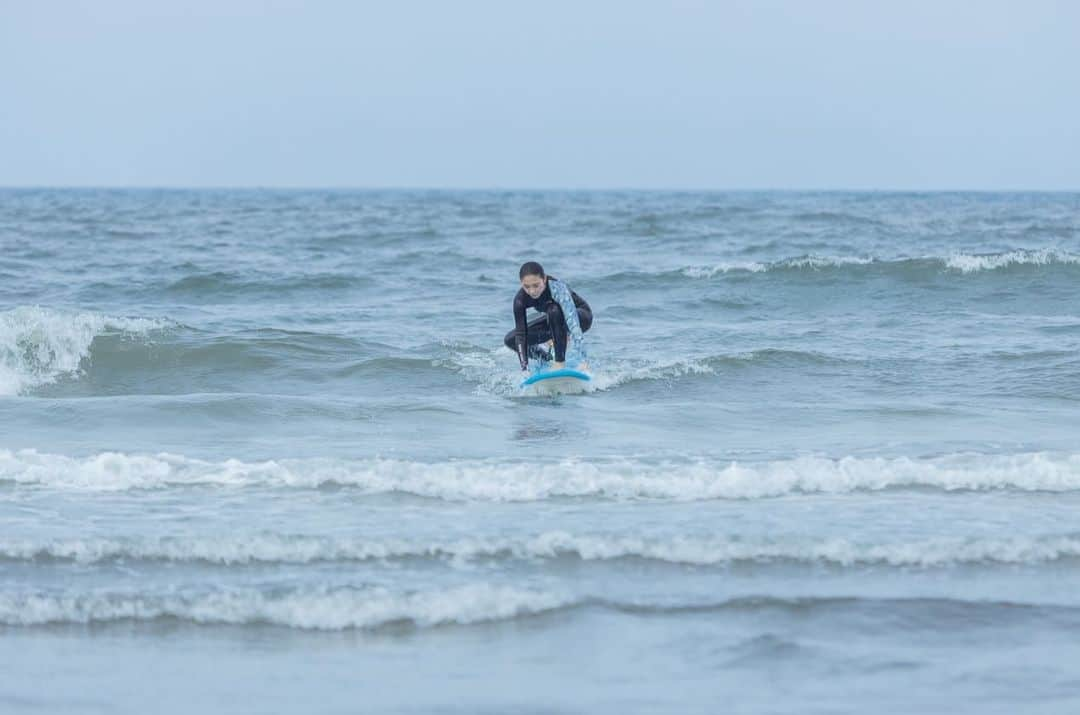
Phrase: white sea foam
(500, 480)
(966, 263)
(962, 262)
(813, 262)
(40, 345)
(311, 608)
(664, 369)
(825, 261)
(488, 370)
(232, 549)
(720, 268)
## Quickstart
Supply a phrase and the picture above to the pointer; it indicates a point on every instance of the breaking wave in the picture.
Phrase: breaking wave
(347, 608)
(269, 548)
(319, 608)
(504, 481)
(41, 345)
(957, 262)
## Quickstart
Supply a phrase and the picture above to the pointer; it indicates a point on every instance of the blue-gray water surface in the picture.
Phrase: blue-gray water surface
(270, 443)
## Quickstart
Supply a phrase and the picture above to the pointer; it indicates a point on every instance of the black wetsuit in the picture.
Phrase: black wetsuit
(525, 338)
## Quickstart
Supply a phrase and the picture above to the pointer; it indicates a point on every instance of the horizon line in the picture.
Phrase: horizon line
(522, 189)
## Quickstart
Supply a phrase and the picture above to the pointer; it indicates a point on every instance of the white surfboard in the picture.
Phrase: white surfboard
(564, 380)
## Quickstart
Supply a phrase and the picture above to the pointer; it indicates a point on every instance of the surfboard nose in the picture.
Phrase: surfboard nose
(555, 381)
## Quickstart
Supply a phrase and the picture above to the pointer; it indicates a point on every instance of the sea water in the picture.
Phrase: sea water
(264, 451)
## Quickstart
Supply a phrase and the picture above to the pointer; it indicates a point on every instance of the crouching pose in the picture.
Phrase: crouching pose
(565, 316)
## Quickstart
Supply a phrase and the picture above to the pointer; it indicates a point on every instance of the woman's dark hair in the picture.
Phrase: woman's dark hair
(532, 268)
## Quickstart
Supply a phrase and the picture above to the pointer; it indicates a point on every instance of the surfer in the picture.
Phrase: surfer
(564, 315)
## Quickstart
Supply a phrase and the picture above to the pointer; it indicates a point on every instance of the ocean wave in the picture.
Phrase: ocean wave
(659, 370)
(382, 366)
(831, 218)
(919, 611)
(375, 608)
(789, 264)
(489, 368)
(217, 285)
(120, 355)
(40, 345)
(964, 263)
(269, 548)
(972, 263)
(306, 608)
(512, 481)
(668, 370)
(242, 352)
(726, 267)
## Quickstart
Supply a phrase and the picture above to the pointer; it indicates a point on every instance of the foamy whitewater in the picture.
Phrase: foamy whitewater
(264, 451)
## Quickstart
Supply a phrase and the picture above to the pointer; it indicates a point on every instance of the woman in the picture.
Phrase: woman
(564, 315)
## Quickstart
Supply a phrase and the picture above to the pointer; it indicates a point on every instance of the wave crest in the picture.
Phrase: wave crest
(268, 548)
(962, 262)
(39, 345)
(493, 480)
(344, 608)
(972, 263)
(307, 608)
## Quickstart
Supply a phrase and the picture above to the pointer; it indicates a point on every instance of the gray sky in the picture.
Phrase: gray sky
(679, 94)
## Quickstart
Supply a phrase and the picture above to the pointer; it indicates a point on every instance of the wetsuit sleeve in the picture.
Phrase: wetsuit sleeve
(521, 330)
(565, 298)
(579, 302)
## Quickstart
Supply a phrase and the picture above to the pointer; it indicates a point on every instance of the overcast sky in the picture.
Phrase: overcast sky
(504, 94)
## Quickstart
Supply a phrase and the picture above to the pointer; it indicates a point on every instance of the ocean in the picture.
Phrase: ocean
(264, 451)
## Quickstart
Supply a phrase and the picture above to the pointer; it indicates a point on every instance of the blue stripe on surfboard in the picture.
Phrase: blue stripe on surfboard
(552, 374)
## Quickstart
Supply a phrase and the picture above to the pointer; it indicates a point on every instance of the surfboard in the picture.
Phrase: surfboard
(552, 382)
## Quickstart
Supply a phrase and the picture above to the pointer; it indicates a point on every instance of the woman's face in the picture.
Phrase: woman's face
(534, 285)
